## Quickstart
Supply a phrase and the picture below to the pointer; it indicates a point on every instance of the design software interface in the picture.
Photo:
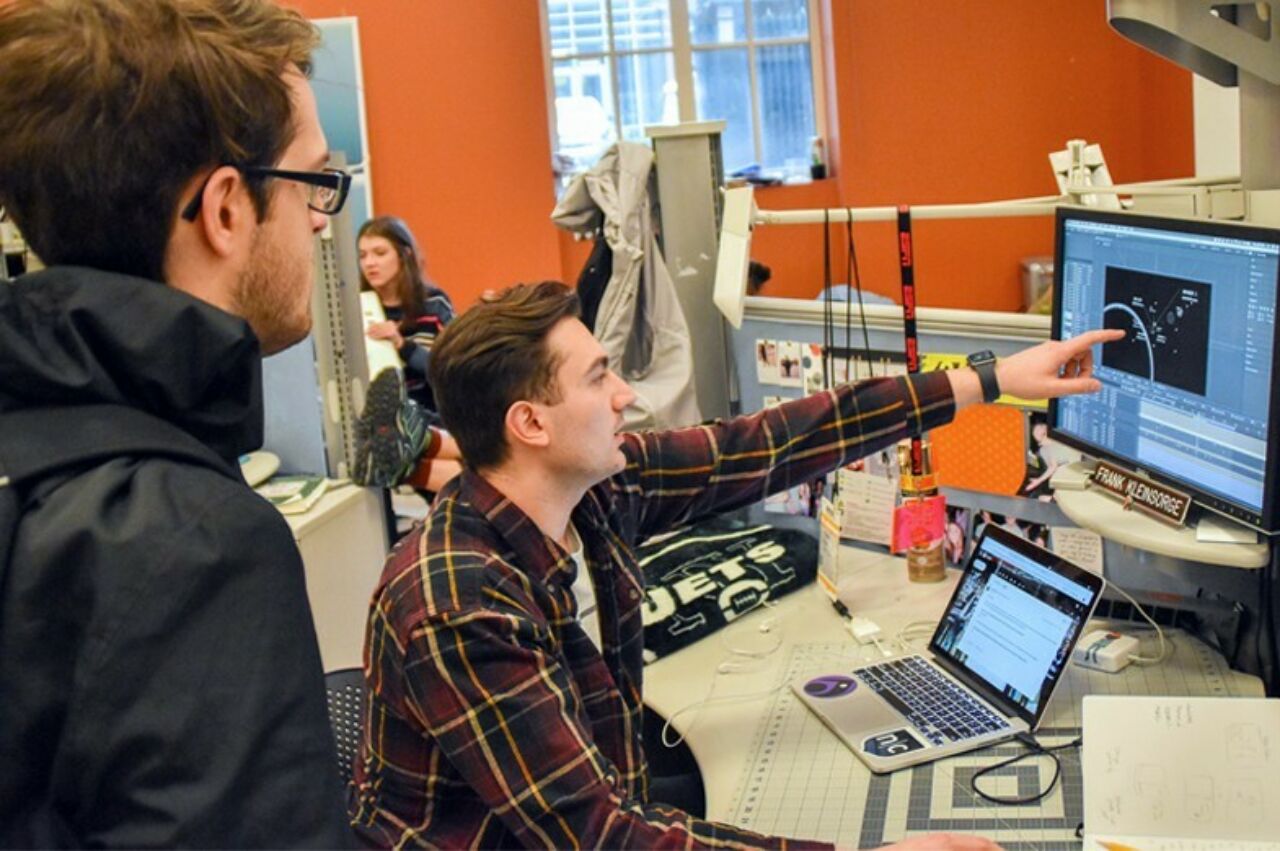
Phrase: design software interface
(1187, 393)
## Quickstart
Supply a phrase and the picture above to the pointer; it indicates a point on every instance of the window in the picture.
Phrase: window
(617, 66)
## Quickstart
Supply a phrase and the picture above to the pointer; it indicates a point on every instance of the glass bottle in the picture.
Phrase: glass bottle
(923, 485)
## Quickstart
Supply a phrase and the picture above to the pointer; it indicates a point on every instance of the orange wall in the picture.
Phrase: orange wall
(935, 102)
(458, 133)
(942, 102)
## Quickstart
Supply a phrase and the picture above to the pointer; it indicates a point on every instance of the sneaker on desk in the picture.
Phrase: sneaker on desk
(391, 433)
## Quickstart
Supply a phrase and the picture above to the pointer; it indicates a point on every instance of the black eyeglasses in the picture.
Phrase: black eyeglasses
(327, 189)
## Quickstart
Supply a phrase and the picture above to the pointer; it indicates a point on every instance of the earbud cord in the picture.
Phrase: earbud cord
(727, 667)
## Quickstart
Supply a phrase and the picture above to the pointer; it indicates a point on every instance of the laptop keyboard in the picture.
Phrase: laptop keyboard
(937, 707)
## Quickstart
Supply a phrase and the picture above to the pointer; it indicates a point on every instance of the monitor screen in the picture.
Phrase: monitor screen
(1186, 396)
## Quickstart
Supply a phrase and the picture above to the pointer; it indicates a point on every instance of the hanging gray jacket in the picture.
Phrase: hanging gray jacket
(640, 322)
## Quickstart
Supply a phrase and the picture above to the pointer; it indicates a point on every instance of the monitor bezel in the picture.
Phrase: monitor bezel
(1264, 520)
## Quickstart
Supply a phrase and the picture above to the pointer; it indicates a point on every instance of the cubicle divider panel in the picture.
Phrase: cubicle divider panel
(985, 461)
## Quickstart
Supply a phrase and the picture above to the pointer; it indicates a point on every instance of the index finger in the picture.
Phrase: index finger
(1088, 339)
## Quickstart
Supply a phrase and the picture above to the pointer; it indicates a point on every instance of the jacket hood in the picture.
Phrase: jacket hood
(610, 194)
(76, 336)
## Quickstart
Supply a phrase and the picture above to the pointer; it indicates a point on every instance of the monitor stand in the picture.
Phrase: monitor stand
(1093, 509)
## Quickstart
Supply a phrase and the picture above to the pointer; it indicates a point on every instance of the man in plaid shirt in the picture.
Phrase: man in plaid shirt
(497, 716)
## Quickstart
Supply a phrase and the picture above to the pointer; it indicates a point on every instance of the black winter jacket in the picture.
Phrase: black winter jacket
(160, 680)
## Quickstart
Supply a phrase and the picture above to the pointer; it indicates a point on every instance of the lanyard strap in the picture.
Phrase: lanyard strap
(907, 266)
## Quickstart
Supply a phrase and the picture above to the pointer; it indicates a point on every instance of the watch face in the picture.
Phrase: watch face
(985, 356)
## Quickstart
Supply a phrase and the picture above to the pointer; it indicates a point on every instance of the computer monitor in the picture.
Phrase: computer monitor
(1187, 396)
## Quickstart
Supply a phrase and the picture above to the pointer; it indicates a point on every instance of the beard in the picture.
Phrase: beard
(273, 294)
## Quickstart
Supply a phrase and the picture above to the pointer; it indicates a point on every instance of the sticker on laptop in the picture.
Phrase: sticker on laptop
(892, 743)
(831, 685)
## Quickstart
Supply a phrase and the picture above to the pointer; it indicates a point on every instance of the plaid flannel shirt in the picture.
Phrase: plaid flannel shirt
(492, 719)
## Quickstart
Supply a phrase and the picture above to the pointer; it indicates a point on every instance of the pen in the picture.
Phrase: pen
(1116, 846)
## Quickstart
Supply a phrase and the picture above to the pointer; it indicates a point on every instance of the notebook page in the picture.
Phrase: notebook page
(1180, 769)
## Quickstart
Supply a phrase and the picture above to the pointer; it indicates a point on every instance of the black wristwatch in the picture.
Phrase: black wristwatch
(984, 363)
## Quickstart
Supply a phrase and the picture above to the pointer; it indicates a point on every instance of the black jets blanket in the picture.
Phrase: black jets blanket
(708, 575)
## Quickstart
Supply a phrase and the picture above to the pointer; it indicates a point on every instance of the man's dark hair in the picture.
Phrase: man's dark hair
(758, 275)
(493, 356)
(108, 108)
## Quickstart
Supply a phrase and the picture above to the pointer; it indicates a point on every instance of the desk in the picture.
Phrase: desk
(343, 541)
(832, 789)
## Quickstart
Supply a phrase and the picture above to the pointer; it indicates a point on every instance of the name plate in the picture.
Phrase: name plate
(1160, 501)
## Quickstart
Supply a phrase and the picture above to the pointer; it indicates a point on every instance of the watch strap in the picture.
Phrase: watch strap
(984, 363)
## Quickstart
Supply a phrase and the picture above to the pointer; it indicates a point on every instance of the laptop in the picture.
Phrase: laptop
(993, 663)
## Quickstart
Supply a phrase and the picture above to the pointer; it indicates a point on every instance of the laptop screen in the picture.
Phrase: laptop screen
(1016, 615)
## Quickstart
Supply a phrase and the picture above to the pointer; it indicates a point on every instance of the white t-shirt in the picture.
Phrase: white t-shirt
(584, 591)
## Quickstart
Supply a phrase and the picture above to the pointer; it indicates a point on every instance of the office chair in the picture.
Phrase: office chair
(345, 695)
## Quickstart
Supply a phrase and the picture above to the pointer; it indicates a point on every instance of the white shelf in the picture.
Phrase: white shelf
(1095, 510)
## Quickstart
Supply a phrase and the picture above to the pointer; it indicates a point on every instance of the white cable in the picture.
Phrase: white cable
(711, 686)
(914, 631)
(706, 701)
(1145, 660)
(765, 627)
(757, 654)
(727, 666)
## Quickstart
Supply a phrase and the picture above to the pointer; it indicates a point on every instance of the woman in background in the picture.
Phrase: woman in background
(396, 442)
(391, 266)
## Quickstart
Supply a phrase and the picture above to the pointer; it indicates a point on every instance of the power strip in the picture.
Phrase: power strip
(1105, 650)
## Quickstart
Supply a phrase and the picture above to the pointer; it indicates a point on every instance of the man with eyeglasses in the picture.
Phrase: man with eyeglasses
(160, 680)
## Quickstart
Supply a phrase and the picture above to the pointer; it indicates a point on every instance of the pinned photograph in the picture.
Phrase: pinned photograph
(1044, 458)
(883, 463)
(767, 361)
(790, 367)
(840, 370)
(955, 537)
(1036, 533)
(795, 501)
(812, 363)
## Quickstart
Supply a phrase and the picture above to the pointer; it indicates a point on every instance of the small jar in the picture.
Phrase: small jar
(924, 562)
